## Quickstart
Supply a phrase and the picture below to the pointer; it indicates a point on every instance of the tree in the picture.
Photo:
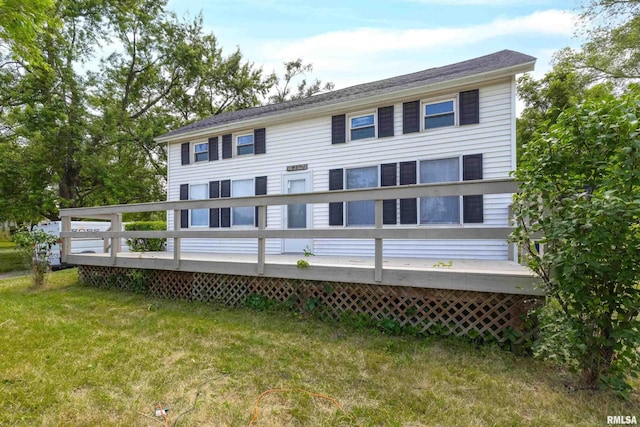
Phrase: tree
(20, 23)
(87, 137)
(612, 49)
(563, 87)
(580, 193)
(293, 71)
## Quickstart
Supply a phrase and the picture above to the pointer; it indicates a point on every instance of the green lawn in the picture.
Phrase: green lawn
(10, 259)
(74, 355)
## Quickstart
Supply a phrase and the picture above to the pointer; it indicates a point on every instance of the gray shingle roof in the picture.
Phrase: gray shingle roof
(492, 62)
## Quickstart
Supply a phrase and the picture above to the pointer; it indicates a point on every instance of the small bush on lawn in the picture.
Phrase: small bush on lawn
(146, 245)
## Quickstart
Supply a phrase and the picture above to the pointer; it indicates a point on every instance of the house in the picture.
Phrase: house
(450, 123)
(406, 205)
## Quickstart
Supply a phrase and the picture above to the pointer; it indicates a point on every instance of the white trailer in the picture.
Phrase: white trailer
(78, 246)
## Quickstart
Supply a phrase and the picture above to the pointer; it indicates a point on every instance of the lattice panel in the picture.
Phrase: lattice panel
(452, 312)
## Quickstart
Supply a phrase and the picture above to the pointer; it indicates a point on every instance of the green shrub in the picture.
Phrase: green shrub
(146, 245)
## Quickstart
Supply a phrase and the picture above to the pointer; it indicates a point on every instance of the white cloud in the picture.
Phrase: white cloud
(496, 3)
(348, 43)
(354, 56)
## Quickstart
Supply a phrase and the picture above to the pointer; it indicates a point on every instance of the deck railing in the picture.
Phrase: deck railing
(378, 232)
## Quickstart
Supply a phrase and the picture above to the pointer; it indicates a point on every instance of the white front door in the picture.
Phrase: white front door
(297, 216)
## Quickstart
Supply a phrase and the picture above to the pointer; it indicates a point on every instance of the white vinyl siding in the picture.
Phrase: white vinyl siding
(309, 142)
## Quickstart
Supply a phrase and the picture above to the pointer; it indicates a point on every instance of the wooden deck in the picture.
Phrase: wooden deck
(459, 274)
(505, 277)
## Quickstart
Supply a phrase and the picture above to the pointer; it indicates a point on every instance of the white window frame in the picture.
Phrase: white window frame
(460, 200)
(363, 114)
(206, 194)
(346, 207)
(196, 152)
(252, 145)
(253, 186)
(423, 111)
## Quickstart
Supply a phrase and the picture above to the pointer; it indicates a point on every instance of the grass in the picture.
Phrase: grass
(10, 259)
(74, 355)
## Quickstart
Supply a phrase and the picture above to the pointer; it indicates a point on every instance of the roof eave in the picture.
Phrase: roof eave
(335, 106)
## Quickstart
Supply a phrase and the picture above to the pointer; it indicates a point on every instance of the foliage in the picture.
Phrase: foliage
(144, 244)
(35, 247)
(302, 263)
(612, 49)
(158, 72)
(296, 70)
(20, 23)
(544, 99)
(580, 193)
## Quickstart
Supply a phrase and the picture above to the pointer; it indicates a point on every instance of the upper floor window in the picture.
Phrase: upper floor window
(363, 126)
(245, 144)
(439, 114)
(201, 152)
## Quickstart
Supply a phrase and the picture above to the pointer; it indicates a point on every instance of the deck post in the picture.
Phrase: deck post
(66, 241)
(378, 248)
(262, 221)
(511, 246)
(116, 243)
(176, 240)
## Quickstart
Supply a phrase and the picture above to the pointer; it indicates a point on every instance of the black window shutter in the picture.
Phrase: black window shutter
(225, 213)
(411, 117)
(213, 148)
(385, 121)
(260, 189)
(387, 179)
(184, 213)
(408, 207)
(469, 107)
(336, 209)
(259, 141)
(227, 146)
(214, 213)
(184, 151)
(338, 129)
(472, 206)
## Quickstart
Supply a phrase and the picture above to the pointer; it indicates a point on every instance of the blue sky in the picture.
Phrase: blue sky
(351, 42)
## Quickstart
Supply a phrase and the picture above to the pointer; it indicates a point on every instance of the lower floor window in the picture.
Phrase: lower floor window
(361, 212)
(242, 215)
(199, 217)
(444, 209)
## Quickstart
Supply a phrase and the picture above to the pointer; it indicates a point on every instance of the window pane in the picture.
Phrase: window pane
(201, 148)
(439, 121)
(199, 191)
(362, 212)
(245, 139)
(245, 149)
(362, 133)
(440, 210)
(199, 217)
(439, 108)
(362, 177)
(201, 157)
(243, 215)
(362, 121)
(441, 170)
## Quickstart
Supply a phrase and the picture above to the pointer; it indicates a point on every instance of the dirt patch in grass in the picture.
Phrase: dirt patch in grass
(74, 355)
